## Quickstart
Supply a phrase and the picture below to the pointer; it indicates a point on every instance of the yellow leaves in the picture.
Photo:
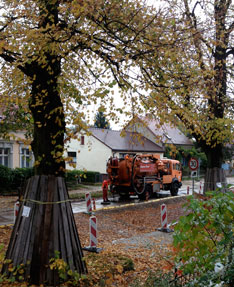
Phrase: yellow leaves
(36, 163)
(58, 264)
(39, 124)
(108, 265)
(119, 269)
(109, 282)
(58, 154)
(11, 268)
(58, 121)
(21, 271)
(217, 130)
(109, 279)
(2, 44)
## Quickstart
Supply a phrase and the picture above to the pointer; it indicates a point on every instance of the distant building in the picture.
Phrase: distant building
(14, 152)
(160, 134)
(92, 152)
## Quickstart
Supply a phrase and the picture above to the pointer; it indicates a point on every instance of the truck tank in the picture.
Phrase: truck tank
(142, 174)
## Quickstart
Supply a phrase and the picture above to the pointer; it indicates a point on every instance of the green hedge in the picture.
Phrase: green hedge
(83, 176)
(19, 175)
(5, 177)
(12, 179)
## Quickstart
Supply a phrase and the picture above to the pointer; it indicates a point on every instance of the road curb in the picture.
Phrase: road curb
(141, 203)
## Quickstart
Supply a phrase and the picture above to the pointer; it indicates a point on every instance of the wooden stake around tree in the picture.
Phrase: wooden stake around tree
(49, 227)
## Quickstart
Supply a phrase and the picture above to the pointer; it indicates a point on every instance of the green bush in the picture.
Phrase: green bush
(20, 175)
(5, 177)
(12, 179)
(83, 176)
(205, 238)
(91, 177)
(73, 175)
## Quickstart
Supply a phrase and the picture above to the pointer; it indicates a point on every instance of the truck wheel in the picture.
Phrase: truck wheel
(112, 189)
(174, 188)
(141, 196)
(148, 188)
(123, 192)
(124, 195)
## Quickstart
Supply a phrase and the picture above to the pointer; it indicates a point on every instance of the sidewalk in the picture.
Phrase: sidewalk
(7, 217)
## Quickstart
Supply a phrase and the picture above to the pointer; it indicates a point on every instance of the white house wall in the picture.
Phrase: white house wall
(91, 156)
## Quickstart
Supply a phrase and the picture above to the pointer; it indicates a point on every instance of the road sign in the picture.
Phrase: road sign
(193, 163)
(194, 173)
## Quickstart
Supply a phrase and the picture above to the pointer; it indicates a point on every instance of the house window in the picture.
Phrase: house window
(72, 155)
(25, 157)
(5, 156)
(82, 140)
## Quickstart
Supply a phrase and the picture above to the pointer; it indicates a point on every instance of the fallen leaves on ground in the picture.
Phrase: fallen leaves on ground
(116, 225)
(7, 202)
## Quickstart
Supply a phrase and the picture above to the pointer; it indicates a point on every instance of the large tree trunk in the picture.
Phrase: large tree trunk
(215, 175)
(48, 115)
(50, 227)
(215, 178)
(217, 101)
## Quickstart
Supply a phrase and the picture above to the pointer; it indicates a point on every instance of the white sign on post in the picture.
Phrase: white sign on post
(194, 173)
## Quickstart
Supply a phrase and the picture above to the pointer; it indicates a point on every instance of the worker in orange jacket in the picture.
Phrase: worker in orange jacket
(105, 190)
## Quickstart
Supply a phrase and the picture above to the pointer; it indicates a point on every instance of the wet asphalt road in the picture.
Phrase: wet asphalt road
(7, 216)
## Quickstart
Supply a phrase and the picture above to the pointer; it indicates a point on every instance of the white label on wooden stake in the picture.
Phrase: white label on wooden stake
(26, 211)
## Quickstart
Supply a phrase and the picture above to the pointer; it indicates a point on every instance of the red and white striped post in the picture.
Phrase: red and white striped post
(16, 210)
(164, 227)
(88, 202)
(93, 236)
(164, 216)
(93, 231)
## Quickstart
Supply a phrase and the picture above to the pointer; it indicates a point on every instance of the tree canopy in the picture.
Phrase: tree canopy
(192, 79)
(59, 55)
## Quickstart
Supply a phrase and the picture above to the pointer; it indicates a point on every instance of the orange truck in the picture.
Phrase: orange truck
(143, 175)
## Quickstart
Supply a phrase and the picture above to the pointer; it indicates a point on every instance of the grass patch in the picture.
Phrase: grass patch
(97, 194)
(77, 186)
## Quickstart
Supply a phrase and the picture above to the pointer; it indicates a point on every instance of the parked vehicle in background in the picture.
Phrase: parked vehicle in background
(143, 175)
